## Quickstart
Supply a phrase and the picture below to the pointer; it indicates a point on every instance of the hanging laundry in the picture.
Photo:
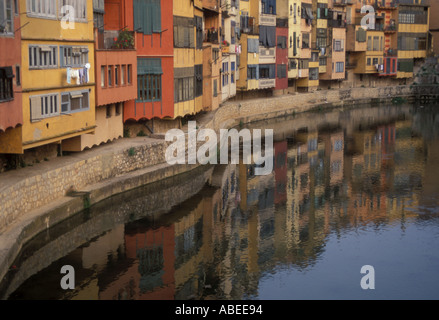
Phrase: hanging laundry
(87, 66)
(75, 75)
(69, 75)
(81, 76)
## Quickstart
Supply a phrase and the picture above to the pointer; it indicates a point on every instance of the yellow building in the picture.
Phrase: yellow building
(304, 47)
(249, 43)
(188, 55)
(58, 76)
(413, 28)
(294, 23)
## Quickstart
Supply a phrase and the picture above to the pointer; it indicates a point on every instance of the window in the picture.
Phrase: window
(110, 76)
(321, 42)
(322, 61)
(149, 87)
(215, 55)
(215, 88)
(108, 111)
(149, 79)
(6, 17)
(292, 65)
(73, 56)
(253, 72)
(376, 43)
(116, 75)
(314, 74)
(232, 75)
(282, 42)
(314, 56)
(184, 32)
(184, 89)
(17, 76)
(405, 65)
(199, 31)
(129, 74)
(123, 72)
(198, 80)
(361, 35)
(281, 71)
(44, 106)
(267, 71)
(147, 16)
(41, 8)
(339, 67)
(375, 61)
(267, 36)
(119, 107)
(305, 40)
(42, 57)
(369, 43)
(338, 45)
(74, 101)
(103, 72)
(6, 89)
(225, 74)
(79, 6)
(369, 61)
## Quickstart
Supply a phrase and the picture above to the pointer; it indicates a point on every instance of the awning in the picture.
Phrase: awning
(45, 48)
(149, 66)
(75, 94)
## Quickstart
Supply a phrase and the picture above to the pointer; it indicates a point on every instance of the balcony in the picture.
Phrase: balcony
(386, 4)
(267, 20)
(229, 8)
(424, 3)
(337, 23)
(116, 67)
(267, 83)
(115, 39)
(211, 36)
(212, 5)
(342, 3)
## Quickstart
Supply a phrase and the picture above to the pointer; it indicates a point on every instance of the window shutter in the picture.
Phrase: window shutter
(35, 109)
(191, 37)
(156, 16)
(138, 24)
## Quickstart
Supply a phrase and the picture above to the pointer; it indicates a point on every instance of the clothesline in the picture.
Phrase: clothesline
(82, 75)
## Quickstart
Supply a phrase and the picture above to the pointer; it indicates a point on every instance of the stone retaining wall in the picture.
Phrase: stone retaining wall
(41, 189)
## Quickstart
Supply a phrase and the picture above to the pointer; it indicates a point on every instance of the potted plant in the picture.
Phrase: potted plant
(125, 40)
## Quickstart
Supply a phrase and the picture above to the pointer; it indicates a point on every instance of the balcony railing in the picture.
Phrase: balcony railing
(416, 2)
(342, 3)
(337, 23)
(212, 36)
(116, 40)
(391, 53)
(386, 4)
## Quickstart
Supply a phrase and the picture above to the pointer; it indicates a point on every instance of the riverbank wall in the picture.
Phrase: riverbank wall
(35, 198)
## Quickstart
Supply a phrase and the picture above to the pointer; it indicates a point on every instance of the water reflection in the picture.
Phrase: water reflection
(343, 193)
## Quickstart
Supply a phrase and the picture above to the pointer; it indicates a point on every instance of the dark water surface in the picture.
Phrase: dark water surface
(349, 188)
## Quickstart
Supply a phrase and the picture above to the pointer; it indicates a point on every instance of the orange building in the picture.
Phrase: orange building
(11, 113)
(152, 24)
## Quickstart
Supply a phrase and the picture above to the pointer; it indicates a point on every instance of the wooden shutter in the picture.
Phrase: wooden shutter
(156, 16)
(35, 109)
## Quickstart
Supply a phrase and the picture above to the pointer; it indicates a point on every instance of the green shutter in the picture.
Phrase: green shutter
(149, 66)
(138, 21)
(156, 16)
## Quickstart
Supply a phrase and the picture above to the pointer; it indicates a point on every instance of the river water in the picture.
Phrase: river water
(350, 188)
